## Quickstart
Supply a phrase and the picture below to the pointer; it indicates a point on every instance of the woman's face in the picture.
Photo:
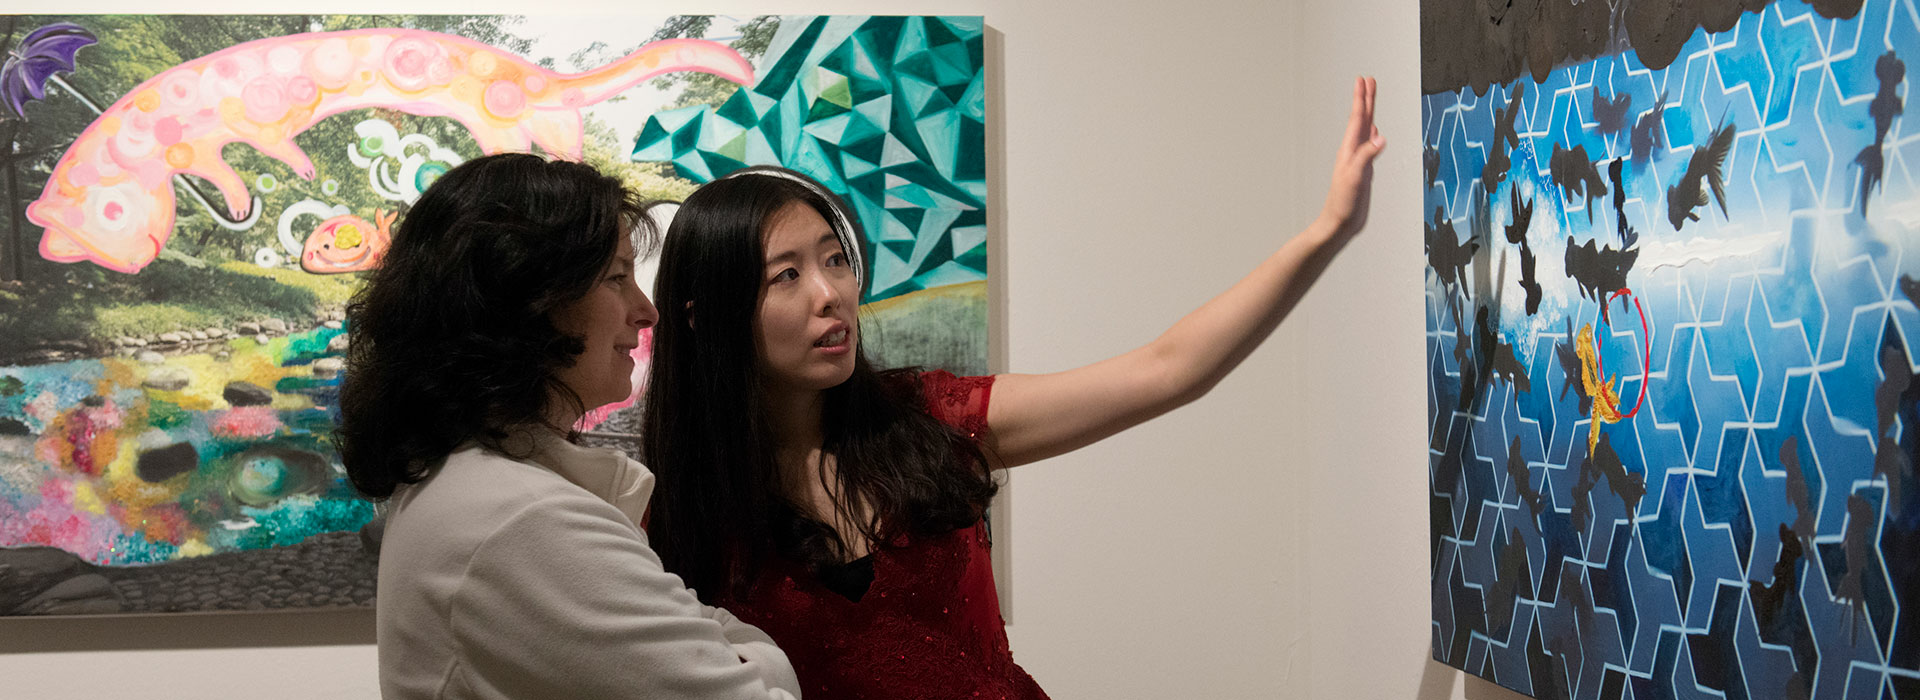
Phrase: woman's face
(807, 325)
(608, 319)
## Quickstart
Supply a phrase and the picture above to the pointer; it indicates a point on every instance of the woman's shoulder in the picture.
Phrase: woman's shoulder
(956, 400)
(478, 490)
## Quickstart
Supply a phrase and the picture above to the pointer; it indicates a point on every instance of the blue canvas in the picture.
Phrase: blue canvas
(1670, 314)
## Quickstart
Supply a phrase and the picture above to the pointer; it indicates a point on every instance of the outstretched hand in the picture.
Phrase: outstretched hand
(1351, 189)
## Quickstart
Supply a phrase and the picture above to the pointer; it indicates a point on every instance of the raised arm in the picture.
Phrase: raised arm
(1036, 416)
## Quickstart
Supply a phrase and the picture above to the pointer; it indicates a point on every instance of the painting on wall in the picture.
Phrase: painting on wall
(1671, 321)
(193, 199)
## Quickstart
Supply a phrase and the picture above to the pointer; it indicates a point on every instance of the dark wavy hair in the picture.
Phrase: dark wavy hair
(452, 337)
(721, 507)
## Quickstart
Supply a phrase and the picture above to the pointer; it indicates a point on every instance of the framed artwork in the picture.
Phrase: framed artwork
(193, 199)
(1670, 329)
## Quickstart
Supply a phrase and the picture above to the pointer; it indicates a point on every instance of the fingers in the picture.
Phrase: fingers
(1357, 117)
(1371, 91)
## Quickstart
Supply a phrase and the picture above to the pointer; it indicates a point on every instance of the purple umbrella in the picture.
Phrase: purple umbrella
(44, 52)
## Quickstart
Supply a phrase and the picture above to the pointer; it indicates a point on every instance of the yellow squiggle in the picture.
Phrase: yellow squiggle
(1605, 392)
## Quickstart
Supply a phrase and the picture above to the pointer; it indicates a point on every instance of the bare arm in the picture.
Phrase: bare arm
(1036, 416)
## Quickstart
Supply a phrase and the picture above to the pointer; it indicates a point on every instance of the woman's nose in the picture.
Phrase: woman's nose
(642, 313)
(827, 292)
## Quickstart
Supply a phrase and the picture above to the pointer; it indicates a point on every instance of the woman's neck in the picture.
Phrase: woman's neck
(561, 415)
(796, 418)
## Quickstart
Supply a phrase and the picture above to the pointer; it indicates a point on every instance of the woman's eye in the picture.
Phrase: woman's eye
(837, 260)
(786, 275)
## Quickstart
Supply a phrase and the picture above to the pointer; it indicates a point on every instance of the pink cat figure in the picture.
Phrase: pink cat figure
(347, 244)
(110, 199)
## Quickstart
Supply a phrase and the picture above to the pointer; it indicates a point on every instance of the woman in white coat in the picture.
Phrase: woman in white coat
(512, 564)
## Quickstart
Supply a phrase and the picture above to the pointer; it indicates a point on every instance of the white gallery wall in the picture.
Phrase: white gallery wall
(1268, 541)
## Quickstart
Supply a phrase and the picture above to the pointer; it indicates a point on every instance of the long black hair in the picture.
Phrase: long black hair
(722, 507)
(452, 340)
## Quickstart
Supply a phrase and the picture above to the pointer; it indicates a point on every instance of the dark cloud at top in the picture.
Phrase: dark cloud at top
(1479, 43)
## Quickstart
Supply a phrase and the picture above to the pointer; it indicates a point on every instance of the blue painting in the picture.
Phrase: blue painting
(1670, 321)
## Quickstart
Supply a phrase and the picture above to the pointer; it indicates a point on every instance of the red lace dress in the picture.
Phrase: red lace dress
(927, 628)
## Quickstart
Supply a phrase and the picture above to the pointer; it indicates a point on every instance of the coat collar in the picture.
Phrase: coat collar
(605, 472)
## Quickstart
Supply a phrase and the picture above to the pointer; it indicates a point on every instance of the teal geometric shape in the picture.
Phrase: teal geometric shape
(942, 129)
(860, 129)
(888, 112)
(717, 133)
(759, 150)
(950, 65)
(889, 270)
(833, 87)
(896, 153)
(963, 28)
(878, 110)
(908, 197)
(931, 248)
(946, 273)
(917, 93)
(975, 259)
(893, 230)
(814, 162)
(860, 62)
(973, 102)
(913, 38)
(966, 238)
(831, 128)
(852, 166)
(742, 112)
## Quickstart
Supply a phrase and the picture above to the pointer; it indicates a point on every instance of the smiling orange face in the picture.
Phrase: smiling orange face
(347, 244)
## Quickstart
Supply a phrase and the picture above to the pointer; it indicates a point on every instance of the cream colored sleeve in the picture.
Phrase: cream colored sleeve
(567, 600)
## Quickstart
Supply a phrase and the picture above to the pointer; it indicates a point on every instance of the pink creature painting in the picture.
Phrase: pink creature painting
(110, 201)
(347, 244)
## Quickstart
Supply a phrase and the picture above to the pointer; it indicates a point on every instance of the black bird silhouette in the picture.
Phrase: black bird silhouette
(1506, 365)
(1570, 364)
(1446, 253)
(1512, 578)
(1477, 371)
(1576, 175)
(1517, 233)
(1598, 271)
(1857, 543)
(1528, 281)
(1505, 136)
(1628, 236)
(1610, 113)
(1889, 460)
(1503, 127)
(1885, 106)
(1770, 597)
(1462, 348)
(1706, 165)
(1522, 478)
(1495, 357)
(1605, 463)
(1798, 493)
(1495, 171)
(1522, 217)
(1647, 134)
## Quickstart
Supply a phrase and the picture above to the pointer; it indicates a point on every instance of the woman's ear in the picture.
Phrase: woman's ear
(689, 308)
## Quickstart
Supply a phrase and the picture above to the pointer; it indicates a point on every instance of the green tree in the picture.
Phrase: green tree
(705, 88)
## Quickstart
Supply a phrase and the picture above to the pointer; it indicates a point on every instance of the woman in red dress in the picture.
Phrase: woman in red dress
(839, 508)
